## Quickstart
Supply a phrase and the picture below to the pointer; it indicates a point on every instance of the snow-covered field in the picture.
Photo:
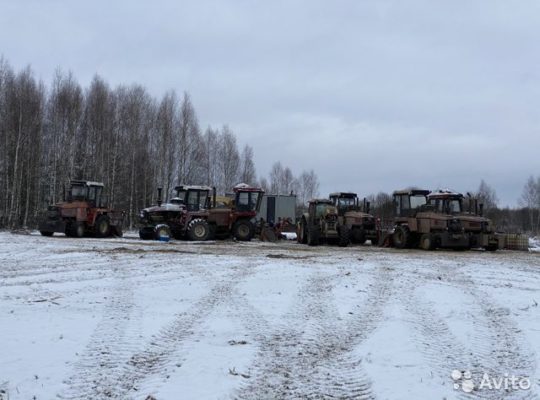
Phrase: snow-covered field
(127, 319)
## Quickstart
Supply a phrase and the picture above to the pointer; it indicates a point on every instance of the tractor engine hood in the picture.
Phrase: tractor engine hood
(359, 217)
(165, 207)
(477, 223)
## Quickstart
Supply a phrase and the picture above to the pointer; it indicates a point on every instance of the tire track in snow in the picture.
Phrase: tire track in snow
(316, 362)
(496, 347)
(442, 350)
(102, 365)
(497, 340)
(150, 360)
(342, 376)
(282, 366)
(97, 369)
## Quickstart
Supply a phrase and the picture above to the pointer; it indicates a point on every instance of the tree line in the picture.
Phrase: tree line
(123, 137)
(134, 142)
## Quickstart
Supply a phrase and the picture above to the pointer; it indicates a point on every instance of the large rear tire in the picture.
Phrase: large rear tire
(427, 242)
(402, 237)
(301, 234)
(243, 230)
(146, 233)
(45, 233)
(344, 236)
(313, 236)
(102, 226)
(198, 230)
(358, 236)
(75, 229)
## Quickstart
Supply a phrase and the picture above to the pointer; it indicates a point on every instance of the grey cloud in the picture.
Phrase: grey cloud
(374, 95)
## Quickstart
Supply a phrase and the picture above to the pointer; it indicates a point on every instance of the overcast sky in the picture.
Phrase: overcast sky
(373, 95)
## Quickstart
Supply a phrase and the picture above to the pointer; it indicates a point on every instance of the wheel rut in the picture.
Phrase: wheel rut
(310, 356)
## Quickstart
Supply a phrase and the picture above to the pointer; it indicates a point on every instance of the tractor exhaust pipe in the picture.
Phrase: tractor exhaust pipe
(214, 197)
(481, 213)
(368, 206)
(159, 198)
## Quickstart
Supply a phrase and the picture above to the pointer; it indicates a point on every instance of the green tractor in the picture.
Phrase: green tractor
(321, 224)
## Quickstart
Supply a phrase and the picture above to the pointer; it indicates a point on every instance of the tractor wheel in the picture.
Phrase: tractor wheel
(146, 233)
(75, 229)
(358, 236)
(102, 226)
(243, 230)
(162, 232)
(401, 236)
(427, 242)
(299, 233)
(198, 229)
(117, 231)
(45, 233)
(313, 236)
(304, 231)
(491, 247)
(344, 236)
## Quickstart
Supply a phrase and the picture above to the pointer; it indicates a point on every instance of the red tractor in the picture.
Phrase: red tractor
(84, 211)
(184, 217)
(196, 213)
(234, 214)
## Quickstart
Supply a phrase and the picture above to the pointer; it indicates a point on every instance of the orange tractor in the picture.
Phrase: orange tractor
(83, 212)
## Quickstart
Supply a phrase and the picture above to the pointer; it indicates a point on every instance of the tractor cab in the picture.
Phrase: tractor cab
(322, 208)
(408, 202)
(87, 191)
(194, 198)
(446, 202)
(247, 199)
(344, 202)
(348, 201)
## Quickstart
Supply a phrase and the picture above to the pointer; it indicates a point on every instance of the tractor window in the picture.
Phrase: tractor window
(437, 205)
(247, 201)
(92, 194)
(99, 197)
(417, 201)
(454, 206)
(346, 202)
(255, 200)
(180, 196)
(405, 202)
(197, 200)
(242, 201)
(192, 201)
(320, 210)
(78, 192)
